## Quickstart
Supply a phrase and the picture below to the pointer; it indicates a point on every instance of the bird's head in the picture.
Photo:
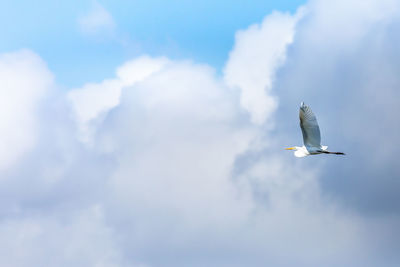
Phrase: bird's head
(299, 151)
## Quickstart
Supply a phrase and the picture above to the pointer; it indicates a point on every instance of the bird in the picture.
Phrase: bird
(311, 135)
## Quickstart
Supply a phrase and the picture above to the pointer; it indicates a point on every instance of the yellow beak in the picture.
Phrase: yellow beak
(290, 148)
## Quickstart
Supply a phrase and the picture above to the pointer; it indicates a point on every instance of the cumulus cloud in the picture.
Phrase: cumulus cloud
(176, 144)
(160, 165)
(24, 81)
(93, 100)
(258, 52)
(83, 241)
(356, 81)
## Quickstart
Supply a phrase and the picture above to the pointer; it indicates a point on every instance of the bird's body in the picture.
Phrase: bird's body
(311, 135)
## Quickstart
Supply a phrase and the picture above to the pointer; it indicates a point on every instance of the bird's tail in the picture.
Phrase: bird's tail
(328, 152)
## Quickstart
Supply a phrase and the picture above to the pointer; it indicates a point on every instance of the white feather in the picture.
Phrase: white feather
(300, 153)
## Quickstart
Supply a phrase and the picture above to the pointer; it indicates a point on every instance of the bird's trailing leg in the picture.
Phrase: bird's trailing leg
(327, 152)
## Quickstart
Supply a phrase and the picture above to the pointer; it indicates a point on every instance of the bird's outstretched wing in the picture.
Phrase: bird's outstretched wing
(309, 127)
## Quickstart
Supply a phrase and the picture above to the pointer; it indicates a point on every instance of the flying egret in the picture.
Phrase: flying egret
(311, 135)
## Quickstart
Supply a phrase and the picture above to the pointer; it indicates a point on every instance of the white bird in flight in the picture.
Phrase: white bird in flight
(311, 135)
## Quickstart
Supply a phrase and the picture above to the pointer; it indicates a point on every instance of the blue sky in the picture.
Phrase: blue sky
(201, 30)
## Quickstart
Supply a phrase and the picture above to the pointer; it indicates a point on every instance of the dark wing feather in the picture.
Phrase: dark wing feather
(309, 127)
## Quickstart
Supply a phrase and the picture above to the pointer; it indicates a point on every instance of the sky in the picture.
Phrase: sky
(202, 31)
(152, 133)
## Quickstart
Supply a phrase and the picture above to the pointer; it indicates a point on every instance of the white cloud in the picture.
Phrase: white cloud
(258, 52)
(97, 20)
(81, 240)
(94, 100)
(175, 137)
(24, 80)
